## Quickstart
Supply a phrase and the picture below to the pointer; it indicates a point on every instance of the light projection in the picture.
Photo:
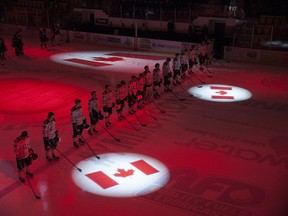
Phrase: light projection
(220, 93)
(108, 60)
(121, 175)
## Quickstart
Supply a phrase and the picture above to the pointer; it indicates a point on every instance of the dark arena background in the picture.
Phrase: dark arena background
(216, 145)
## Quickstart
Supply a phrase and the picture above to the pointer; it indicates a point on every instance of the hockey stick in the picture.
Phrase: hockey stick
(130, 123)
(219, 62)
(68, 160)
(11, 59)
(208, 70)
(89, 147)
(198, 78)
(162, 111)
(36, 196)
(142, 124)
(151, 115)
(116, 139)
(206, 73)
(180, 99)
(202, 70)
(191, 95)
(199, 86)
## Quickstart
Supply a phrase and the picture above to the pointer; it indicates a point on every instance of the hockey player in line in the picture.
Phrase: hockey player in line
(108, 102)
(50, 136)
(23, 159)
(210, 51)
(184, 63)
(94, 113)
(167, 75)
(78, 123)
(120, 95)
(176, 66)
(202, 53)
(192, 58)
(148, 77)
(156, 80)
(132, 92)
(140, 91)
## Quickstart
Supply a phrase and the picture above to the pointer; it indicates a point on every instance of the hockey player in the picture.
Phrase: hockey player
(94, 113)
(192, 58)
(78, 123)
(50, 136)
(132, 92)
(148, 77)
(184, 63)
(176, 65)
(17, 43)
(210, 52)
(140, 91)
(108, 102)
(156, 80)
(23, 159)
(43, 38)
(121, 95)
(202, 52)
(3, 49)
(167, 75)
(55, 32)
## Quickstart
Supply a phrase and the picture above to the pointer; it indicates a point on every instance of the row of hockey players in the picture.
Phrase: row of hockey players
(140, 91)
(23, 151)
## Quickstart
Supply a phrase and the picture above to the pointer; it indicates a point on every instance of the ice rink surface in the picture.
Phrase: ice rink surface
(222, 151)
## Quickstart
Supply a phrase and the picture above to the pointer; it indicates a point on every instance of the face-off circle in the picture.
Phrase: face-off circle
(121, 175)
(220, 93)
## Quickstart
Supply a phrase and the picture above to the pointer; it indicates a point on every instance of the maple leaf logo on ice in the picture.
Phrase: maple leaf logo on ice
(123, 173)
(111, 59)
(222, 92)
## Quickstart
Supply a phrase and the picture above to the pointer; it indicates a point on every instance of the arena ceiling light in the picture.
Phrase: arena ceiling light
(220, 93)
(121, 175)
(108, 60)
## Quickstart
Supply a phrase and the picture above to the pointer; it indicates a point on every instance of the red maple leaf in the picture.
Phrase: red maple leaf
(222, 92)
(123, 173)
(111, 59)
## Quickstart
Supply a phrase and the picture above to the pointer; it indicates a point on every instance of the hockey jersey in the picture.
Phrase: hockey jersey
(21, 147)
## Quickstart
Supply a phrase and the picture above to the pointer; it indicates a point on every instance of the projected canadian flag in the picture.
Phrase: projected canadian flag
(106, 181)
(121, 174)
(222, 92)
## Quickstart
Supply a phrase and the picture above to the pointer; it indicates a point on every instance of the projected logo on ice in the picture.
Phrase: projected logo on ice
(121, 175)
(108, 60)
(220, 93)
